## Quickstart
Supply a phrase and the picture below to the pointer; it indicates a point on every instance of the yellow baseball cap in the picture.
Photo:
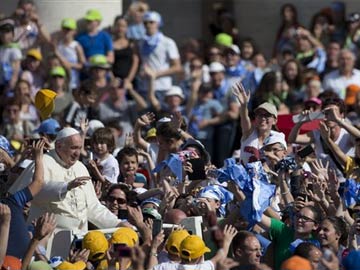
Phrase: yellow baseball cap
(193, 247)
(174, 241)
(34, 53)
(96, 242)
(150, 133)
(80, 265)
(68, 23)
(125, 235)
(224, 39)
(93, 15)
(44, 102)
(58, 71)
(99, 60)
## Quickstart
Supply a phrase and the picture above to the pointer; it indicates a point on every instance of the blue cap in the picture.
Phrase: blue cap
(351, 261)
(49, 126)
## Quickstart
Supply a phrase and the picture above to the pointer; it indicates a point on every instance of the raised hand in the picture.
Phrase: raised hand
(77, 182)
(324, 130)
(146, 119)
(319, 169)
(5, 213)
(239, 92)
(45, 225)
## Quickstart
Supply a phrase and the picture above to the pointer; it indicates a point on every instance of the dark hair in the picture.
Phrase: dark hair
(87, 88)
(127, 151)
(124, 188)
(297, 83)
(104, 135)
(168, 131)
(240, 238)
(253, 44)
(316, 212)
(119, 17)
(13, 102)
(304, 249)
(340, 227)
(334, 101)
(24, 2)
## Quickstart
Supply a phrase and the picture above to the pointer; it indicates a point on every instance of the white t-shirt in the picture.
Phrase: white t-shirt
(206, 265)
(7, 56)
(338, 83)
(159, 60)
(153, 150)
(110, 169)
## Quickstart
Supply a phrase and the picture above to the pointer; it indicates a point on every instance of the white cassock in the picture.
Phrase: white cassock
(73, 209)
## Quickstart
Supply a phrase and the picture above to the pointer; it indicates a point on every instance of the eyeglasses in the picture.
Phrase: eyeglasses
(304, 218)
(118, 200)
(264, 115)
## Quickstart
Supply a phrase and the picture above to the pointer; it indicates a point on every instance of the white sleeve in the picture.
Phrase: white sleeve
(97, 213)
(173, 50)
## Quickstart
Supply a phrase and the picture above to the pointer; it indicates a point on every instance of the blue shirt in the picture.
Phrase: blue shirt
(19, 238)
(100, 43)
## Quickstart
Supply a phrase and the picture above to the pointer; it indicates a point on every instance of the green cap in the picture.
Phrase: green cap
(99, 60)
(68, 23)
(93, 15)
(224, 39)
(58, 71)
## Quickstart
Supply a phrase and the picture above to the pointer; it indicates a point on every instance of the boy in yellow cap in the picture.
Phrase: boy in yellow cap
(93, 40)
(45, 102)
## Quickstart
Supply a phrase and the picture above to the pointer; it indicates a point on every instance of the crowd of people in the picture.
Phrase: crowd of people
(119, 128)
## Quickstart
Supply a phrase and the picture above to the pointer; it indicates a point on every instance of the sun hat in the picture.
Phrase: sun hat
(68, 23)
(352, 260)
(275, 137)
(152, 16)
(49, 126)
(96, 243)
(270, 108)
(44, 102)
(193, 247)
(151, 133)
(174, 241)
(223, 39)
(93, 15)
(11, 263)
(58, 71)
(125, 235)
(39, 265)
(175, 91)
(216, 67)
(99, 61)
(79, 265)
(35, 53)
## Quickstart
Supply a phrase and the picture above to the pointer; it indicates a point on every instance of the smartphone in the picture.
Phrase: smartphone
(310, 187)
(31, 141)
(123, 214)
(157, 227)
(306, 151)
(303, 197)
(87, 142)
(77, 244)
(198, 167)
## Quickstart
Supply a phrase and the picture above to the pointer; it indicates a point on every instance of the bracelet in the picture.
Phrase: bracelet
(153, 254)
(284, 193)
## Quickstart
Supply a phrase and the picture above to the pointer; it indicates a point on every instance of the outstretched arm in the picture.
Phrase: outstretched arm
(38, 178)
(5, 218)
(240, 93)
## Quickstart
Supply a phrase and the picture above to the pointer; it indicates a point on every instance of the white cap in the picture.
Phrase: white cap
(152, 16)
(66, 132)
(216, 67)
(175, 91)
(140, 190)
(94, 125)
(275, 137)
(235, 48)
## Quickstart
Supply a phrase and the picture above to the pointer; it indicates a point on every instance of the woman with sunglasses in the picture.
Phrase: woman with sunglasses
(254, 134)
(116, 199)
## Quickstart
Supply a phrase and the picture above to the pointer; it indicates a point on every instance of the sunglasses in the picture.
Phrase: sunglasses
(264, 115)
(149, 22)
(118, 200)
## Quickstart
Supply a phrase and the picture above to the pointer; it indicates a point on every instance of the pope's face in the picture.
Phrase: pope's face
(69, 149)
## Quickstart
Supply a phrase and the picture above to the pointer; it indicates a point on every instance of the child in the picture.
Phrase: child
(104, 166)
(129, 163)
(81, 108)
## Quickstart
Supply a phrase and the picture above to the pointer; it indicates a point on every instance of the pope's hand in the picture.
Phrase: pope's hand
(79, 181)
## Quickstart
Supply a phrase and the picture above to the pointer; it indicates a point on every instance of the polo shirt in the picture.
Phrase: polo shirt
(99, 43)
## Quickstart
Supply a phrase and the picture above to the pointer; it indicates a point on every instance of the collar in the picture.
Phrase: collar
(54, 154)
